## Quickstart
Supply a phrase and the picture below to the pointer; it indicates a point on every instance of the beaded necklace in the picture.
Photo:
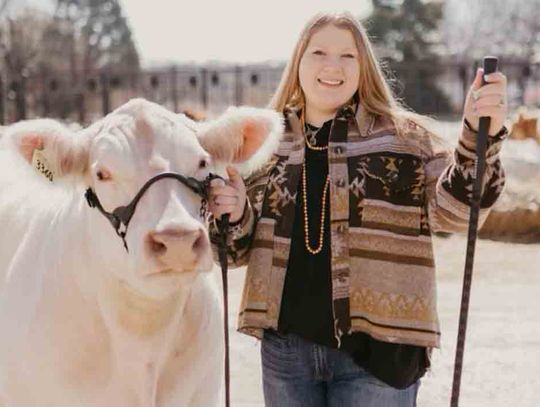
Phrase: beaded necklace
(312, 133)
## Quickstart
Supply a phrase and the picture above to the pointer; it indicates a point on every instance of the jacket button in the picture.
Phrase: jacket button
(338, 150)
(340, 183)
(347, 112)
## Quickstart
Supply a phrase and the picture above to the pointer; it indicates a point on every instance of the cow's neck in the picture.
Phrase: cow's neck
(142, 331)
(139, 315)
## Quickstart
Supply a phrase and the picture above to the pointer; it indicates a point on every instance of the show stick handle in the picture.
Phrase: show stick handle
(490, 66)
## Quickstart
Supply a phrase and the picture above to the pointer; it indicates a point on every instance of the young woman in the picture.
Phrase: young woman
(336, 230)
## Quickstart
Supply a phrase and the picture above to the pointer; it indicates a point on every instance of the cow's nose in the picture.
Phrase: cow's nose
(178, 247)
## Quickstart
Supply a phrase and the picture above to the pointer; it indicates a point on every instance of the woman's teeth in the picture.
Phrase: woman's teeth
(330, 82)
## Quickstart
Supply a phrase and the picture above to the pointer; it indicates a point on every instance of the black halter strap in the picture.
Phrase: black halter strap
(121, 216)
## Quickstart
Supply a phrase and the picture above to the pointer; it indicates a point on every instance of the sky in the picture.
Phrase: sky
(243, 31)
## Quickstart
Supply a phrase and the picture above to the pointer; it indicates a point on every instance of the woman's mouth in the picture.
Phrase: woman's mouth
(330, 82)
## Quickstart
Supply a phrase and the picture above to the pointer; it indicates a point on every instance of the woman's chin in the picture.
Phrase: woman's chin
(328, 101)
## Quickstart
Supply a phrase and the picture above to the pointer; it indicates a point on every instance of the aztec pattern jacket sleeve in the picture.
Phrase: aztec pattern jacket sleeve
(241, 232)
(450, 179)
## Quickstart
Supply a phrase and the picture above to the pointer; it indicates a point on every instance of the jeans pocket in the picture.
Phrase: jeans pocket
(276, 339)
(278, 347)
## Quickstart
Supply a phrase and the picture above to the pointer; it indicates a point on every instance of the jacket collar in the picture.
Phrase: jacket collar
(364, 120)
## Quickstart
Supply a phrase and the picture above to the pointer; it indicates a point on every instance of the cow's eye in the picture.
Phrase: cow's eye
(203, 164)
(103, 175)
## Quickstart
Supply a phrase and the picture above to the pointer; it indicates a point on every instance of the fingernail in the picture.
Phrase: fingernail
(486, 78)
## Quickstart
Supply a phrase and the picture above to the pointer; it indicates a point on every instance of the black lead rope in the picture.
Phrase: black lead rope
(490, 66)
(222, 254)
(121, 216)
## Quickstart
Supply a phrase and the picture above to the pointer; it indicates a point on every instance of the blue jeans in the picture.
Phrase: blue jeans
(299, 373)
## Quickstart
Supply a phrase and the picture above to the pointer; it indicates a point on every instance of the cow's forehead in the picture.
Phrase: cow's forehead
(148, 131)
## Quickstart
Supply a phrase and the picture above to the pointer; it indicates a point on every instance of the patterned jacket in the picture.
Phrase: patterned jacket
(388, 193)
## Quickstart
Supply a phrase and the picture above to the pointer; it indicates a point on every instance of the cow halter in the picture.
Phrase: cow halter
(121, 216)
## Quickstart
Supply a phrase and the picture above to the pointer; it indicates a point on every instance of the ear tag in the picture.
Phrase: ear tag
(40, 163)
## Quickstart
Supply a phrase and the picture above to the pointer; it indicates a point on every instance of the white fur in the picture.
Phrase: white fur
(231, 120)
(82, 325)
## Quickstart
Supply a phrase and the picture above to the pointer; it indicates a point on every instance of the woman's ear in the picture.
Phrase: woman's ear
(241, 132)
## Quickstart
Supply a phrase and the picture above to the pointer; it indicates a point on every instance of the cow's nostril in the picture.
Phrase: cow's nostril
(199, 242)
(157, 247)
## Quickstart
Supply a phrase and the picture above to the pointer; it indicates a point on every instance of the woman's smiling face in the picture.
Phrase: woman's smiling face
(329, 70)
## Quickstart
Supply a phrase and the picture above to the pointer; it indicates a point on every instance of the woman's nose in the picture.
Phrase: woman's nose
(332, 62)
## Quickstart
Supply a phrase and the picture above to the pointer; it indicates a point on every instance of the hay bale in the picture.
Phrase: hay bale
(525, 126)
(515, 217)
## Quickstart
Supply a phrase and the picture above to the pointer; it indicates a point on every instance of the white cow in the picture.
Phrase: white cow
(85, 322)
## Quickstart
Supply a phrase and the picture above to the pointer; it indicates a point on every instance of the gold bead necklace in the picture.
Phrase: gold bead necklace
(323, 212)
(312, 147)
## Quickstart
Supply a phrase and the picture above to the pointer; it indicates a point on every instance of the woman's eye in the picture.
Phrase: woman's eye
(349, 56)
(318, 52)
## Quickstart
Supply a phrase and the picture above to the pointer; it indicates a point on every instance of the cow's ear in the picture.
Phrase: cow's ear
(241, 132)
(49, 146)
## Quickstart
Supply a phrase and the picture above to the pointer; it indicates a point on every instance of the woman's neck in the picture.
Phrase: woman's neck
(317, 117)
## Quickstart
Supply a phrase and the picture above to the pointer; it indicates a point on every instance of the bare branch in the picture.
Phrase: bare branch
(3, 6)
(502, 27)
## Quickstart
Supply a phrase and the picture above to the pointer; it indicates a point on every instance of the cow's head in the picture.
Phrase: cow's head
(167, 238)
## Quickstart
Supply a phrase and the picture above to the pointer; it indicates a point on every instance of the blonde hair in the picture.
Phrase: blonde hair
(375, 94)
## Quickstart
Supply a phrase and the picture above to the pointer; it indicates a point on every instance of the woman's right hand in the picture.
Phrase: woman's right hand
(228, 196)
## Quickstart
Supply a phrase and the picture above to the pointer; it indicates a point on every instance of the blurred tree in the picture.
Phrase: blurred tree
(87, 38)
(20, 49)
(95, 34)
(507, 28)
(64, 46)
(406, 35)
(3, 6)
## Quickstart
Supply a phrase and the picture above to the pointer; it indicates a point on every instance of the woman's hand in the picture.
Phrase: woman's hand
(488, 100)
(228, 197)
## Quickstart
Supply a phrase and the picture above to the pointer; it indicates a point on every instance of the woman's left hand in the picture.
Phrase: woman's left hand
(489, 100)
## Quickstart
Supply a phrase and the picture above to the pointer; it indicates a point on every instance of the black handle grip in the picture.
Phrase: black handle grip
(490, 65)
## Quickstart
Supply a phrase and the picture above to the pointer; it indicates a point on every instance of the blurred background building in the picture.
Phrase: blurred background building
(79, 59)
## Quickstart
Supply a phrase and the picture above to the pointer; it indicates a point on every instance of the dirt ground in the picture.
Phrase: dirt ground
(502, 354)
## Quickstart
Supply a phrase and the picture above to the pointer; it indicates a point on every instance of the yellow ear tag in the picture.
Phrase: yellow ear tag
(40, 163)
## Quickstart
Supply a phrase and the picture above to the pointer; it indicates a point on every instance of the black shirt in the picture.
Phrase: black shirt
(306, 305)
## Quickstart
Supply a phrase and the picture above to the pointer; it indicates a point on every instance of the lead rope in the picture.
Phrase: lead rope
(222, 254)
(490, 66)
